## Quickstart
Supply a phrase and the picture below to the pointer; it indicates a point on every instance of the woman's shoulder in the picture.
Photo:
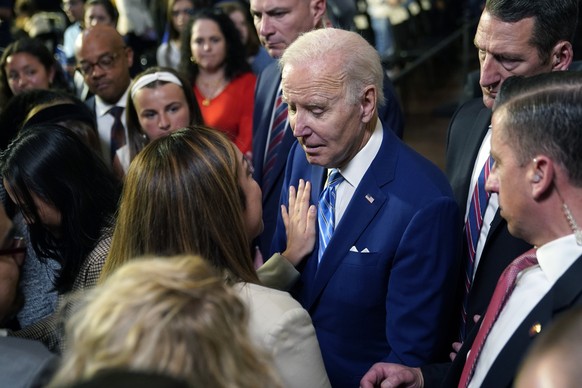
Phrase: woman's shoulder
(259, 297)
(93, 264)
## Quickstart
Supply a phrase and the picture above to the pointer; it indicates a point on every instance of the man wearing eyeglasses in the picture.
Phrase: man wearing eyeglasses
(104, 61)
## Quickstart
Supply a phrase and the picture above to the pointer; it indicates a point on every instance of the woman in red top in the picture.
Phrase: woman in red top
(213, 57)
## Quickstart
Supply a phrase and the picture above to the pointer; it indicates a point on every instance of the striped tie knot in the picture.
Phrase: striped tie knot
(326, 210)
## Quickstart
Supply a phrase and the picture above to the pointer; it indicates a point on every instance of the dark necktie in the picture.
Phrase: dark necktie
(275, 139)
(503, 290)
(117, 130)
(473, 225)
(326, 210)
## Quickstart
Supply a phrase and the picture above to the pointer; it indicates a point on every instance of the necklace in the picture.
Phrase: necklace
(210, 90)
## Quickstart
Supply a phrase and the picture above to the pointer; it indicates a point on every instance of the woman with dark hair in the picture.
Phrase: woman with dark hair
(27, 64)
(100, 12)
(256, 54)
(68, 198)
(192, 192)
(37, 296)
(214, 60)
(159, 102)
(179, 12)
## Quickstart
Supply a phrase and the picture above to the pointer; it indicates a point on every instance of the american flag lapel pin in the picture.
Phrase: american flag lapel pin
(370, 198)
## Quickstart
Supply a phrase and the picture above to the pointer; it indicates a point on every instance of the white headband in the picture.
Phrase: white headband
(157, 76)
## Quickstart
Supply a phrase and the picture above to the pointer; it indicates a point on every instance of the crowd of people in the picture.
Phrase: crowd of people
(219, 196)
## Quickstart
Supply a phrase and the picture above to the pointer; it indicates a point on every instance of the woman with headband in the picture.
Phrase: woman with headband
(159, 102)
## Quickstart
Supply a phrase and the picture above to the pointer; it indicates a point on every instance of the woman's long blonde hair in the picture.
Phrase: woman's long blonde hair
(171, 316)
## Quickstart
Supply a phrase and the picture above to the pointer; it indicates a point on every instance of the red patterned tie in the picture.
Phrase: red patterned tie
(276, 137)
(503, 290)
(117, 130)
(479, 201)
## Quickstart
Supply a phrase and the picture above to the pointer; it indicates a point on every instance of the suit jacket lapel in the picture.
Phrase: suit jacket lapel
(472, 146)
(359, 213)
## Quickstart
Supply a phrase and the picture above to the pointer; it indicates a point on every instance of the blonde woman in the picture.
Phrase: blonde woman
(169, 316)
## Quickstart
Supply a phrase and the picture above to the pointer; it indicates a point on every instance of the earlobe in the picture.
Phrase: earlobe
(368, 103)
(541, 177)
(562, 56)
(318, 10)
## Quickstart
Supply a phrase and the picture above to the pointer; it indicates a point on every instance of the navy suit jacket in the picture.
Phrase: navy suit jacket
(566, 293)
(392, 302)
(467, 130)
(265, 94)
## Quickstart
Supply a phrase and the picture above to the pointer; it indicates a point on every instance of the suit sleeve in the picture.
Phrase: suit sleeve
(420, 302)
(296, 351)
(279, 242)
(278, 273)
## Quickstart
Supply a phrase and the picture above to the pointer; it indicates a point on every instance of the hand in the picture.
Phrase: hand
(456, 346)
(299, 223)
(387, 375)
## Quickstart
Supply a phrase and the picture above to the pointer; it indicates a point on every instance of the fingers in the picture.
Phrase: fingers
(285, 217)
(292, 198)
(456, 347)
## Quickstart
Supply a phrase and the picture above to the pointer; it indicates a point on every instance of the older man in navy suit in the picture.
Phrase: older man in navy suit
(278, 24)
(380, 281)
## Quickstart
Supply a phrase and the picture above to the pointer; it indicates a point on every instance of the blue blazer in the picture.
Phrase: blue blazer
(265, 94)
(392, 302)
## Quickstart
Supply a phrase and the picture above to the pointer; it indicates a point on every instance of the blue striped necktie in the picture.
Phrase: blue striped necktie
(326, 210)
(477, 208)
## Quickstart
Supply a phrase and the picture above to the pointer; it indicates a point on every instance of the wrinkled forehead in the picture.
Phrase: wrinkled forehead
(315, 77)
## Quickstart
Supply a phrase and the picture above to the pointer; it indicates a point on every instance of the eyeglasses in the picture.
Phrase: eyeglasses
(105, 63)
(187, 11)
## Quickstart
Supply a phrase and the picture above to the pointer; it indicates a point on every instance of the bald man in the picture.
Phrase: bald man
(104, 61)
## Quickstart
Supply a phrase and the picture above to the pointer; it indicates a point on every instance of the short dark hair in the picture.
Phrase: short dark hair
(543, 115)
(554, 20)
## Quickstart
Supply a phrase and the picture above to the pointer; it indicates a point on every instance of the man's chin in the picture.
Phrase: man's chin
(488, 100)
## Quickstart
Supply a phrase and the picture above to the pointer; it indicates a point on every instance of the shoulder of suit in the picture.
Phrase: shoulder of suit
(255, 294)
(471, 108)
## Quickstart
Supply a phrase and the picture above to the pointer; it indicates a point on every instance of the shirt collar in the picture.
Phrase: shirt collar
(557, 256)
(357, 167)
(101, 107)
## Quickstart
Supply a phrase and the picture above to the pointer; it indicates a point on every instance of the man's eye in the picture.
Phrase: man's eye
(106, 61)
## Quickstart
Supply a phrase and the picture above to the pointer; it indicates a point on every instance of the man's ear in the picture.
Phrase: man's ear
(129, 53)
(562, 56)
(368, 103)
(541, 176)
(318, 9)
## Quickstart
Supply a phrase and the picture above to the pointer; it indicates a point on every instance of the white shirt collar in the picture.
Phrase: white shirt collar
(557, 256)
(101, 107)
(357, 167)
